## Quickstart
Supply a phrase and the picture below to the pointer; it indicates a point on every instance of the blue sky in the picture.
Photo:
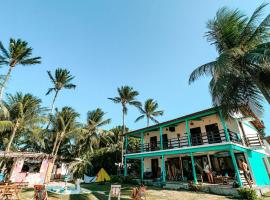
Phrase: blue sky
(151, 45)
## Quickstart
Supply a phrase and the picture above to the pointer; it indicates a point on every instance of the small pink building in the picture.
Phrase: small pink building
(28, 167)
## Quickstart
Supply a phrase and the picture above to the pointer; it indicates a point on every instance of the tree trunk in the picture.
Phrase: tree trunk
(5, 83)
(57, 147)
(12, 136)
(122, 137)
(147, 121)
(52, 107)
(55, 143)
(53, 102)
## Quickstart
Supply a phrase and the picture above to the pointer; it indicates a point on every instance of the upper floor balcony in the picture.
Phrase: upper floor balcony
(198, 139)
(206, 127)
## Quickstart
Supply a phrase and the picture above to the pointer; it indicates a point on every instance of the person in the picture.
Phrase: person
(208, 172)
(244, 167)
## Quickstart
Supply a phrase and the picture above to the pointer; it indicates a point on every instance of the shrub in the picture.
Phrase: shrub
(129, 180)
(124, 180)
(194, 187)
(247, 193)
(116, 179)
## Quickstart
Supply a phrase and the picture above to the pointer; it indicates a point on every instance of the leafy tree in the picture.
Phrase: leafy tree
(61, 80)
(93, 134)
(240, 73)
(25, 113)
(64, 124)
(126, 96)
(18, 53)
(117, 133)
(149, 111)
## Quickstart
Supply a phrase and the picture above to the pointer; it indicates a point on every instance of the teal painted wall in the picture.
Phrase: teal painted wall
(258, 168)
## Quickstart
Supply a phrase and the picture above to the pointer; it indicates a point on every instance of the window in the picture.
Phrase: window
(32, 166)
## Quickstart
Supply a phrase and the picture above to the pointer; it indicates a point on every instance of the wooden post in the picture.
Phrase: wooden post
(142, 142)
(163, 170)
(161, 138)
(142, 169)
(188, 133)
(224, 126)
(193, 168)
(125, 166)
(236, 168)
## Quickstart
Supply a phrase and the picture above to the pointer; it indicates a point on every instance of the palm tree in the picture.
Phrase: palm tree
(25, 113)
(63, 124)
(18, 53)
(93, 133)
(149, 111)
(243, 62)
(126, 96)
(61, 80)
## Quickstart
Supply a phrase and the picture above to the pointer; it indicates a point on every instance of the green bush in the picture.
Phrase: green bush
(124, 180)
(247, 193)
(116, 179)
(194, 187)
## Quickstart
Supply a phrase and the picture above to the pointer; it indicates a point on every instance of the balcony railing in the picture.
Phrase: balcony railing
(212, 137)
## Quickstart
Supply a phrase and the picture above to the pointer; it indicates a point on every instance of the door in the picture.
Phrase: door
(154, 167)
(196, 136)
(153, 143)
(213, 134)
(165, 141)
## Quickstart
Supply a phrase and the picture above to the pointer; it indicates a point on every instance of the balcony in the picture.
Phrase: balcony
(182, 141)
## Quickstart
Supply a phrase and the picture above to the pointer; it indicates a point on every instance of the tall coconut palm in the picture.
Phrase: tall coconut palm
(243, 45)
(126, 96)
(25, 112)
(18, 53)
(149, 111)
(61, 80)
(93, 132)
(63, 124)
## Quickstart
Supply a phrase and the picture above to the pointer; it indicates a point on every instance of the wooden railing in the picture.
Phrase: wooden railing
(212, 137)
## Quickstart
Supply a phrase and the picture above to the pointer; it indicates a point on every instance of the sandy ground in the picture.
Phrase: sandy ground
(181, 195)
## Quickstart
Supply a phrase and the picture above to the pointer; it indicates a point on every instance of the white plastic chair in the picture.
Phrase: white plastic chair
(115, 192)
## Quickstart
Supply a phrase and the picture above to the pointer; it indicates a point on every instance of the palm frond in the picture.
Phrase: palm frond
(140, 118)
(206, 69)
(50, 90)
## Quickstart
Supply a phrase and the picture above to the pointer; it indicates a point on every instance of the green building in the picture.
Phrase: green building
(178, 150)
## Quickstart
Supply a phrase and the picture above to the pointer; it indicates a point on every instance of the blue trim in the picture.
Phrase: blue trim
(186, 150)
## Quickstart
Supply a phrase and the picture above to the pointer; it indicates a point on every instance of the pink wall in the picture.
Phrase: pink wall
(31, 178)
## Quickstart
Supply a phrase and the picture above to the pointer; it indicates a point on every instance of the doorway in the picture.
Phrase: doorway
(213, 134)
(153, 143)
(165, 141)
(154, 167)
(196, 136)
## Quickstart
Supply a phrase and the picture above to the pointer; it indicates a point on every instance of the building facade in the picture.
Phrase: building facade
(178, 150)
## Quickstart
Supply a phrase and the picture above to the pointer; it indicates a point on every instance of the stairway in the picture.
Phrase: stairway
(253, 140)
(243, 179)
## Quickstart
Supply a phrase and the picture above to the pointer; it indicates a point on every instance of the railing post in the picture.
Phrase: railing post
(224, 126)
(142, 142)
(188, 133)
(236, 168)
(193, 169)
(161, 138)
